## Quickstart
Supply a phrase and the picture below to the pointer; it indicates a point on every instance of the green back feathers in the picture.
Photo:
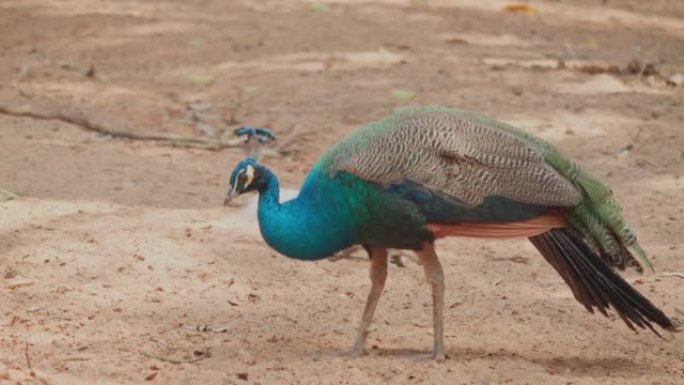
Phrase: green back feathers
(598, 216)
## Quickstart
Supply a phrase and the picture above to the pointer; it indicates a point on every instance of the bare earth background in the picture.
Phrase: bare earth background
(119, 265)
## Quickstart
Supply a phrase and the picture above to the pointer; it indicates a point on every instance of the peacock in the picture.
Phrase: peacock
(425, 173)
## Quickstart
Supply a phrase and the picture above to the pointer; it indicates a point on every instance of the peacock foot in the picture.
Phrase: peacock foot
(357, 351)
(437, 357)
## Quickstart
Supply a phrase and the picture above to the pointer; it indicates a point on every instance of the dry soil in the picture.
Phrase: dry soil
(120, 266)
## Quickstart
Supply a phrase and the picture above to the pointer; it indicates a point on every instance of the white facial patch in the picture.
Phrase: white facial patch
(249, 171)
(243, 179)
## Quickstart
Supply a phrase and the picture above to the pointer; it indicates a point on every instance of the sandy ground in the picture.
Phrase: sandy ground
(120, 266)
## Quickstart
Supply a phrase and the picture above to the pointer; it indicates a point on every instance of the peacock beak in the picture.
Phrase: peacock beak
(232, 193)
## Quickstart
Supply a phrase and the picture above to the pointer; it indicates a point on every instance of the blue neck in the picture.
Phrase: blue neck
(302, 228)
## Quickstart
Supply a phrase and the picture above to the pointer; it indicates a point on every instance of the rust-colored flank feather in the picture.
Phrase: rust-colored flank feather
(501, 230)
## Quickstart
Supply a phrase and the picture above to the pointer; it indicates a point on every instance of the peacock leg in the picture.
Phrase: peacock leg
(378, 274)
(435, 277)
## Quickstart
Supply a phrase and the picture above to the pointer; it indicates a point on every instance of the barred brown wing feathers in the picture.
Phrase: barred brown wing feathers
(461, 157)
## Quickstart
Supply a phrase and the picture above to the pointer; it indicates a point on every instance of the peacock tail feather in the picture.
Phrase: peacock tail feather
(598, 216)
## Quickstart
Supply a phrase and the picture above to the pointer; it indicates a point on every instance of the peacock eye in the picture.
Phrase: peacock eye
(242, 178)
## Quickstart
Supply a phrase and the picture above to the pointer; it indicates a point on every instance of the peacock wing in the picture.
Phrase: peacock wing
(457, 154)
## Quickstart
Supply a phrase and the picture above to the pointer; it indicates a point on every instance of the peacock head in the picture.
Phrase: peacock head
(247, 176)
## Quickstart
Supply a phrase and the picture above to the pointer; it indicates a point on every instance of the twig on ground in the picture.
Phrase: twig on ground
(28, 356)
(347, 254)
(88, 125)
(199, 356)
(207, 328)
(673, 274)
(6, 195)
(78, 358)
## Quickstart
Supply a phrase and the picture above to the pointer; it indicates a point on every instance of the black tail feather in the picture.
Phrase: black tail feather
(593, 283)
